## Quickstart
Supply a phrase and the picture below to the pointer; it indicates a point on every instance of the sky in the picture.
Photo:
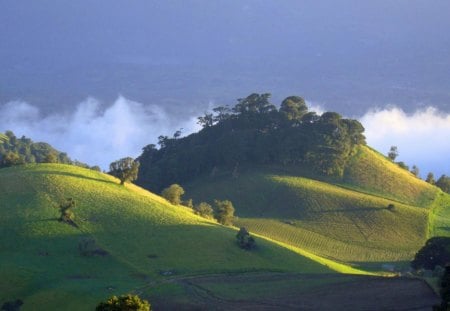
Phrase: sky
(102, 79)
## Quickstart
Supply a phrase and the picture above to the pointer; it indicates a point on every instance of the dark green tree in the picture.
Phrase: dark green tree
(124, 303)
(245, 240)
(293, 108)
(435, 252)
(66, 212)
(173, 194)
(207, 120)
(204, 209)
(224, 212)
(11, 159)
(444, 183)
(430, 178)
(125, 169)
(393, 153)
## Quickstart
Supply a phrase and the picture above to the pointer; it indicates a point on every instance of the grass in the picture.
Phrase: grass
(344, 220)
(148, 240)
(369, 171)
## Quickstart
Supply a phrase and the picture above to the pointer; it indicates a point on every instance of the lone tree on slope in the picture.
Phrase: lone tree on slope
(173, 194)
(393, 153)
(125, 169)
(224, 212)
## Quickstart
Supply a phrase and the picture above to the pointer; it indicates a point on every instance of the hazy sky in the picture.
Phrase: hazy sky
(98, 78)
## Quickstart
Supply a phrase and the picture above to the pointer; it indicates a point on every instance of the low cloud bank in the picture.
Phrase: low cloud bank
(422, 138)
(92, 134)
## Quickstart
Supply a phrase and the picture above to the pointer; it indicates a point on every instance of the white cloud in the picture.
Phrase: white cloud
(94, 135)
(422, 138)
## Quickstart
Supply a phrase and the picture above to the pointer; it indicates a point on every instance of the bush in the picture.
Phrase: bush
(245, 240)
(124, 303)
(432, 254)
(173, 194)
(391, 207)
(224, 212)
(204, 209)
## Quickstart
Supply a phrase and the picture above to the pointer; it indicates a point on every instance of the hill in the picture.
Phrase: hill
(135, 239)
(326, 219)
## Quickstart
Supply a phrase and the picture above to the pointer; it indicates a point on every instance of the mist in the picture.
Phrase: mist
(92, 133)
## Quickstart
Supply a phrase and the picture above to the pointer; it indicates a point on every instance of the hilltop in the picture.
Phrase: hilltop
(302, 179)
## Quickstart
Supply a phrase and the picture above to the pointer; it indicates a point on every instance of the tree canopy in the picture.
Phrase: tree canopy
(173, 194)
(125, 169)
(16, 151)
(253, 132)
(124, 303)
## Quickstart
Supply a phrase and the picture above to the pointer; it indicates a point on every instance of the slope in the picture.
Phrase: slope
(136, 239)
(346, 220)
(371, 172)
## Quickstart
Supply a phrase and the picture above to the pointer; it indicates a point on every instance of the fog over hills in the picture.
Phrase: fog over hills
(180, 57)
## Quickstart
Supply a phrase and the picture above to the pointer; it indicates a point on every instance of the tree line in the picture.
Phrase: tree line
(17, 151)
(254, 131)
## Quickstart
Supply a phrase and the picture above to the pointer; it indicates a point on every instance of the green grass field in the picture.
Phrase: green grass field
(346, 221)
(147, 240)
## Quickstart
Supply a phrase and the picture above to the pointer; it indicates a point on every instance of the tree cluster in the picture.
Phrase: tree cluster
(253, 132)
(17, 151)
(124, 303)
(434, 253)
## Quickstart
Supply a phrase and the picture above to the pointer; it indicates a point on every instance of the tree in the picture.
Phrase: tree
(204, 209)
(173, 194)
(415, 170)
(293, 108)
(124, 303)
(432, 254)
(393, 153)
(206, 121)
(65, 209)
(11, 159)
(430, 178)
(244, 239)
(444, 183)
(125, 169)
(224, 212)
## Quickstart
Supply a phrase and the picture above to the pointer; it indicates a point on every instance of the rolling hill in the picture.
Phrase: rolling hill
(345, 219)
(137, 238)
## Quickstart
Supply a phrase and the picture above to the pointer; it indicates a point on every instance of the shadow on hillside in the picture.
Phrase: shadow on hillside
(76, 176)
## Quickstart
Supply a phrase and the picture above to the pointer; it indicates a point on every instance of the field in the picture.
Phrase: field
(359, 219)
(308, 233)
(140, 239)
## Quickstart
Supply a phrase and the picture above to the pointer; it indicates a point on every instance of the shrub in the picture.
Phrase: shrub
(173, 194)
(224, 212)
(245, 240)
(204, 209)
(124, 303)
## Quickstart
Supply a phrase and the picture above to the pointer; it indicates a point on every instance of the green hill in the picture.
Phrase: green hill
(137, 240)
(371, 172)
(346, 220)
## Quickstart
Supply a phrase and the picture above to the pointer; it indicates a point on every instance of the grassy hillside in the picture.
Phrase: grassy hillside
(371, 172)
(143, 240)
(346, 221)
